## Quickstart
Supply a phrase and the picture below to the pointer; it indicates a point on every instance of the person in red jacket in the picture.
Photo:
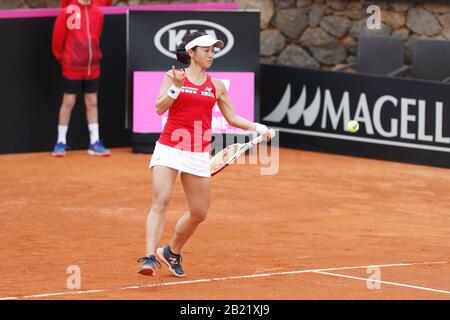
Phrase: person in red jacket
(101, 3)
(76, 46)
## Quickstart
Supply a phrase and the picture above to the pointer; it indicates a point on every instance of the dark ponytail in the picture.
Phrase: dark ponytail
(182, 55)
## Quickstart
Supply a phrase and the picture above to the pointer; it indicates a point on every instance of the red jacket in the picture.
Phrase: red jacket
(76, 41)
(101, 3)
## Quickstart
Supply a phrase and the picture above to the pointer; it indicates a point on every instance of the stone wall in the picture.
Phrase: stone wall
(20, 4)
(323, 34)
(319, 34)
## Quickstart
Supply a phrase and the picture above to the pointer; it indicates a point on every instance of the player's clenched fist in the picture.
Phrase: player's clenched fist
(264, 131)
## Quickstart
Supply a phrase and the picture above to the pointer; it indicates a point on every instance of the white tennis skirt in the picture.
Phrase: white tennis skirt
(196, 163)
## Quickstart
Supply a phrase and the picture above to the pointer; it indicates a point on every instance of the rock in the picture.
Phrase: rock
(445, 21)
(284, 4)
(437, 7)
(439, 37)
(8, 4)
(268, 60)
(383, 5)
(329, 53)
(350, 44)
(393, 19)
(336, 26)
(352, 48)
(446, 34)
(355, 15)
(296, 56)
(325, 48)
(32, 3)
(355, 6)
(272, 41)
(303, 3)
(422, 22)
(292, 22)
(53, 3)
(401, 6)
(315, 37)
(316, 14)
(266, 8)
(355, 11)
(351, 59)
(338, 5)
(402, 33)
(360, 29)
(22, 5)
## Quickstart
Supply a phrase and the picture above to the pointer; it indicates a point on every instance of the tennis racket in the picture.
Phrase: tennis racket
(225, 157)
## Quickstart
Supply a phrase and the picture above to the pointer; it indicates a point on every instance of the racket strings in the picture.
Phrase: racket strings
(222, 158)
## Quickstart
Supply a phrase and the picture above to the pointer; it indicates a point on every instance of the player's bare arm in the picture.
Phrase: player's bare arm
(227, 109)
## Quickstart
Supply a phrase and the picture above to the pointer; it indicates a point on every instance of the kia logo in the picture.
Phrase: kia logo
(173, 34)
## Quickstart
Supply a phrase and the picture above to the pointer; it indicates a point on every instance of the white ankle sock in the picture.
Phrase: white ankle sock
(62, 132)
(93, 132)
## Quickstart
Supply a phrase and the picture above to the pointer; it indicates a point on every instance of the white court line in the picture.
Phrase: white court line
(380, 281)
(219, 279)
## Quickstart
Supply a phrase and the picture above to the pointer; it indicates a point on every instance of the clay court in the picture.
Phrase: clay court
(309, 232)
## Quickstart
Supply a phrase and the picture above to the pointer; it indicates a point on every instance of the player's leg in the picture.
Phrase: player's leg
(91, 102)
(96, 147)
(162, 180)
(198, 194)
(65, 111)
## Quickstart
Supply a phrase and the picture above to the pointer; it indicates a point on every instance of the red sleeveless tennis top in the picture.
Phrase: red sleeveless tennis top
(188, 126)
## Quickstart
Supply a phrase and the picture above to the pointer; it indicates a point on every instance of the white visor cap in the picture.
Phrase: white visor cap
(204, 41)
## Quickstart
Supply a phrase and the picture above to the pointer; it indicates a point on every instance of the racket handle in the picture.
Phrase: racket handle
(259, 138)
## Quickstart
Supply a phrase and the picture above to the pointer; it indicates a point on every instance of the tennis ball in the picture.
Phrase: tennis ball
(353, 126)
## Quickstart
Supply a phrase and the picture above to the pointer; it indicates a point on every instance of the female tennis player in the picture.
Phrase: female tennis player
(190, 95)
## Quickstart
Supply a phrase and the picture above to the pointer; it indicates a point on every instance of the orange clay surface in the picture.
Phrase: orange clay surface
(320, 211)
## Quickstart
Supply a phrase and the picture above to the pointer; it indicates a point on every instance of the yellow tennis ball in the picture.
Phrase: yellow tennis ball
(353, 126)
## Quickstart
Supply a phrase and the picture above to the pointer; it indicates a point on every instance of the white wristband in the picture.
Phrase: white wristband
(173, 92)
(260, 128)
